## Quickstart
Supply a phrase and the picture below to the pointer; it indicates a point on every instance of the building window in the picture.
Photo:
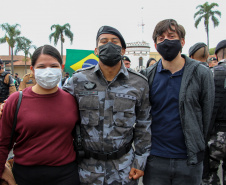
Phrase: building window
(141, 61)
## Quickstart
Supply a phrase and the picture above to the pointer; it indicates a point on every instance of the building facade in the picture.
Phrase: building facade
(138, 53)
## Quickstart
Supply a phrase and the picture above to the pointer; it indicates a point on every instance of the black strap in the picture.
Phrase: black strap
(78, 136)
(15, 119)
(111, 155)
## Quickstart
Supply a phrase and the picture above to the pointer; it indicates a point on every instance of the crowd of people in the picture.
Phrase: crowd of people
(112, 125)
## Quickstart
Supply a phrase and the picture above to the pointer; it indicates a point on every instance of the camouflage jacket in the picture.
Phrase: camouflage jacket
(113, 113)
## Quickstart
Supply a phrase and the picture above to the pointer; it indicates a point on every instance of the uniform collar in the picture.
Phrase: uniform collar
(222, 61)
(123, 71)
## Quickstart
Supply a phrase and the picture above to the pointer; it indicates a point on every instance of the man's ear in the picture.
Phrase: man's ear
(123, 51)
(96, 51)
(182, 42)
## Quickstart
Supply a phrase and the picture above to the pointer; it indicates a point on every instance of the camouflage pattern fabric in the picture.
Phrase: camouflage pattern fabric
(217, 148)
(112, 113)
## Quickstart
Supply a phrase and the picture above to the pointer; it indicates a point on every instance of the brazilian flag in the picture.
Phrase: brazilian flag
(77, 59)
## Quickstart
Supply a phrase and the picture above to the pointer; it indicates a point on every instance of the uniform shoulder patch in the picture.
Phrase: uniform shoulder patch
(136, 73)
(83, 69)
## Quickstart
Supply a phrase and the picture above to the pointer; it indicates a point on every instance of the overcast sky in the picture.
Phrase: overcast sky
(87, 16)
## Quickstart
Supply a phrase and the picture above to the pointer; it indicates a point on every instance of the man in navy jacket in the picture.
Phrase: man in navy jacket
(182, 98)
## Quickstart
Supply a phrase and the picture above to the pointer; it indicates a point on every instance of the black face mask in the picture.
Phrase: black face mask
(169, 49)
(110, 54)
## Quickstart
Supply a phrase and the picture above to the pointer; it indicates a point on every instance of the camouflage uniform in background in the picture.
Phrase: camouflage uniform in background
(217, 141)
(217, 149)
(28, 80)
(7, 86)
(108, 112)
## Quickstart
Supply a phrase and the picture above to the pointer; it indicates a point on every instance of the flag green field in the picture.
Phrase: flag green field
(77, 59)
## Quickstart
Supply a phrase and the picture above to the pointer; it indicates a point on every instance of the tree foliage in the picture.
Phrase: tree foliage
(60, 33)
(212, 51)
(24, 45)
(206, 12)
(12, 37)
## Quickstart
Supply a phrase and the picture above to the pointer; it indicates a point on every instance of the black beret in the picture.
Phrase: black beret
(195, 48)
(113, 31)
(220, 45)
(126, 58)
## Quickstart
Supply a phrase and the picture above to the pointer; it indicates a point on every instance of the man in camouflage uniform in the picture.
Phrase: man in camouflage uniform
(111, 99)
(7, 86)
(217, 142)
(27, 81)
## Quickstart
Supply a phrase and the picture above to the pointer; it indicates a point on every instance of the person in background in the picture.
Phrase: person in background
(217, 140)
(27, 81)
(7, 86)
(18, 80)
(212, 62)
(182, 98)
(43, 151)
(150, 62)
(126, 61)
(66, 78)
(199, 51)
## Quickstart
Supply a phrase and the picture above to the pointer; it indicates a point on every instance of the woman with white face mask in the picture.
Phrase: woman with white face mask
(44, 151)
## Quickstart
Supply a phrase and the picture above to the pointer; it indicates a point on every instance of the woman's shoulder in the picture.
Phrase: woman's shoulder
(12, 100)
(13, 96)
(65, 94)
(68, 99)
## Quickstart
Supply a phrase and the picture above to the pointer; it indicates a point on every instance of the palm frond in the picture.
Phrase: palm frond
(212, 5)
(217, 13)
(199, 6)
(3, 40)
(66, 26)
(200, 12)
(51, 36)
(53, 26)
(215, 21)
(69, 34)
(197, 21)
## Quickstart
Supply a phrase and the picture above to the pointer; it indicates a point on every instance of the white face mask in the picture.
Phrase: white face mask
(48, 78)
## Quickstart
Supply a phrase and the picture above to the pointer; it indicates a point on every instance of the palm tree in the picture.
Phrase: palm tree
(11, 37)
(206, 12)
(24, 45)
(59, 33)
